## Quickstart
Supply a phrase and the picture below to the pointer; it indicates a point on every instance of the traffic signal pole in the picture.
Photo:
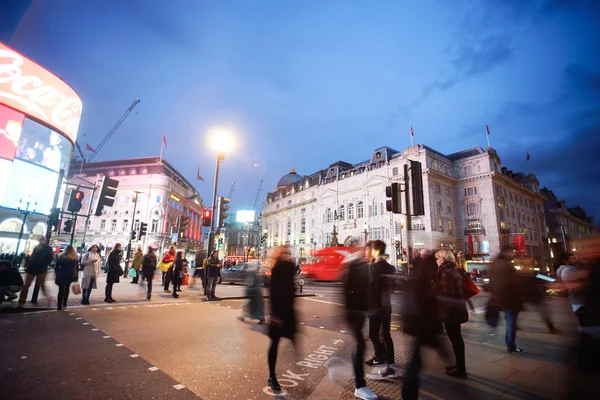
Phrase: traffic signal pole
(408, 216)
(127, 257)
(211, 233)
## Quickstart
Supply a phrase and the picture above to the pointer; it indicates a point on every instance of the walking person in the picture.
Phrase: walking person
(91, 270)
(165, 265)
(149, 262)
(255, 308)
(381, 286)
(198, 270)
(137, 264)
(177, 272)
(113, 273)
(213, 266)
(66, 273)
(36, 268)
(282, 323)
(11, 281)
(453, 311)
(356, 294)
(506, 295)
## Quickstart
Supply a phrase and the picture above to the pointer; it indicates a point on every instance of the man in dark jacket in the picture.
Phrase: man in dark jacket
(506, 294)
(381, 287)
(213, 265)
(36, 267)
(356, 294)
(149, 263)
(199, 270)
(10, 281)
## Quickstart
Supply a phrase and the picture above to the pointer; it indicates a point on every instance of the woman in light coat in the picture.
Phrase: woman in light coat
(91, 269)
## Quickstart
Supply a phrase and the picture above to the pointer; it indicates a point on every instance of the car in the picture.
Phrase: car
(239, 272)
(328, 265)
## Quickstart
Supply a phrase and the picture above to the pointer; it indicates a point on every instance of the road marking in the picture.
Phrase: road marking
(179, 387)
(72, 314)
(77, 319)
(301, 323)
(105, 337)
(119, 345)
(134, 355)
(322, 301)
(342, 331)
(24, 357)
(95, 329)
(321, 327)
(153, 369)
(86, 323)
(95, 309)
(109, 308)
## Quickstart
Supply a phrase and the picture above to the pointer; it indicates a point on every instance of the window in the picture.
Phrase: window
(441, 225)
(467, 170)
(375, 208)
(449, 207)
(439, 205)
(398, 228)
(450, 229)
(512, 211)
(328, 216)
(472, 209)
(276, 230)
(360, 212)
(395, 171)
(510, 196)
(125, 224)
(113, 225)
(447, 192)
(438, 188)
(509, 228)
(103, 225)
(342, 214)
(351, 211)
(471, 191)
(158, 199)
(136, 225)
(303, 225)
(289, 229)
(312, 223)
(154, 226)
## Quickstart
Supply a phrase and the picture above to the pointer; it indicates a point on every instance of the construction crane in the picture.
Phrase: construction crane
(231, 190)
(257, 194)
(109, 134)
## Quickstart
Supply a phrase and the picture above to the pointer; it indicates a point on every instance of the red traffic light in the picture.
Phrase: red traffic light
(79, 195)
(206, 217)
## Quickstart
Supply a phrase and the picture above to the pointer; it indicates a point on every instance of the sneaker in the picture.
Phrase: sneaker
(515, 350)
(365, 394)
(107, 301)
(11, 297)
(390, 372)
(273, 384)
(374, 362)
(456, 373)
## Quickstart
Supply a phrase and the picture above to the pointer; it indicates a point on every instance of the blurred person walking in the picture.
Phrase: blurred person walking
(356, 295)
(453, 310)
(91, 269)
(114, 271)
(199, 271)
(506, 289)
(149, 262)
(10, 281)
(177, 272)
(255, 308)
(381, 287)
(165, 265)
(66, 273)
(213, 266)
(282, 323)
(137, 264)
(36, 268)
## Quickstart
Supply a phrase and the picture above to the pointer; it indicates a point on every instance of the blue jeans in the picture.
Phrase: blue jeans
(511, 329)
(211, 285)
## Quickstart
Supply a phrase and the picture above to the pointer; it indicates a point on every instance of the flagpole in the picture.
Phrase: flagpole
(487, 135)
(161, 149)
(412, 135)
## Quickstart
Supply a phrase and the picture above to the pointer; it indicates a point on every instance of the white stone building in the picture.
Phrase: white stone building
(471, 205)
(164, 194)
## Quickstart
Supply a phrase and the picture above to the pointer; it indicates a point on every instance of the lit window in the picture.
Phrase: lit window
(360, 211)
(351, 211)
(342, 214)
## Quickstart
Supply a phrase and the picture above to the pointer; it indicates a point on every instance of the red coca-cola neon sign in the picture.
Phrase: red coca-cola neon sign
(33, 90)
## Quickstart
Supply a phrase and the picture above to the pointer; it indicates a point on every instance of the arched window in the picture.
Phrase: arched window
(328, 216)
(351, 211)
(342, 213)
(375, 207)
(472, 209)
(360, 210)
(468, 170)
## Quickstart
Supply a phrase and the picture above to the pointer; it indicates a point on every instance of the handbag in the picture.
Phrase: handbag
(163, 266)
(131, 273)
(470, 289)
(76, 289)
(186, 280)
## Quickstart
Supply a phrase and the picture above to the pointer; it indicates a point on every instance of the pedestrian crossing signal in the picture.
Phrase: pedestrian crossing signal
(206, 217)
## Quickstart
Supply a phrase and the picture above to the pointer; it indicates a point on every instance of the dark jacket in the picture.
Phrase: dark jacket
(177, 269)
(420, 310)
(281, 294)
(381, 286)
(39, 260)
(66, 271)
(149, 263)
(356, 288)
(505, 285)
(114, 267)
(449, 289)
(213, 267)
(198, 260)
(11, 277)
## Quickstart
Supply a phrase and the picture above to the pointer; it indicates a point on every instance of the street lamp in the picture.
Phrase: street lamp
(366, 231)
(25, 211)
(220, 140)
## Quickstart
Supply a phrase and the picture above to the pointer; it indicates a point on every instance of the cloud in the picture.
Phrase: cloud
(478, 57)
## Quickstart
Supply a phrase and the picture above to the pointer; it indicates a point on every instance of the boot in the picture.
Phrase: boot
(148, 296)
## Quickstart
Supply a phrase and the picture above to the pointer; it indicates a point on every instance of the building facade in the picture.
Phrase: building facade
(472, 205)
(163, 195)
(241, 239)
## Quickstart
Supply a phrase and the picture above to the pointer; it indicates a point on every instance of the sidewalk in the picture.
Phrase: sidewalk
(542, 371)
(126, 292)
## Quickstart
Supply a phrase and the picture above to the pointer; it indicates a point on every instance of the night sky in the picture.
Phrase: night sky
(307, 83)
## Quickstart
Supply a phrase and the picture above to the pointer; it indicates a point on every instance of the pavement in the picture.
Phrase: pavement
(194, 349)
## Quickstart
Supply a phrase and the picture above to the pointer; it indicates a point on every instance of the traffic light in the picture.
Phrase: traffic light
(68, 225)
(134, 235)
(220, 243)
(184, 220)
(416, 179)
(394, 194)
(54, 219)
(206, 217)
(143, 229)
(223, 207)
(75, 201)
(106, 198)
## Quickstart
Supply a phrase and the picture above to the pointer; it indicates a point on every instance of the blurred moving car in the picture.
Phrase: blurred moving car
(239, 272)
(328, 265)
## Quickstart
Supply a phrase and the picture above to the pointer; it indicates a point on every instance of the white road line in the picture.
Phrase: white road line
(95, 329)
(322, 301)
(24, 357)
(179, 387)
(86, 323)
(119, 345)
(134, 355)
(77, 319)
(321, 327)
(342, 331)
(72, 314)
(105, 337)
(153, 369)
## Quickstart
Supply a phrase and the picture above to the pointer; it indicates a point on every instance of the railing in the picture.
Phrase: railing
(474, 231)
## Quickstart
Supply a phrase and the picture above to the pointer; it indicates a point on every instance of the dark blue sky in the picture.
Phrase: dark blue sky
(308, 83)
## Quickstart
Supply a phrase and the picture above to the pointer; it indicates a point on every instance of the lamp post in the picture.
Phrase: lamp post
(366, 232)
(25, 211)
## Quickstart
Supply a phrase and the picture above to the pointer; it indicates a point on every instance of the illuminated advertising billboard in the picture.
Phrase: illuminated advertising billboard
(39, 118)
(245, 216)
